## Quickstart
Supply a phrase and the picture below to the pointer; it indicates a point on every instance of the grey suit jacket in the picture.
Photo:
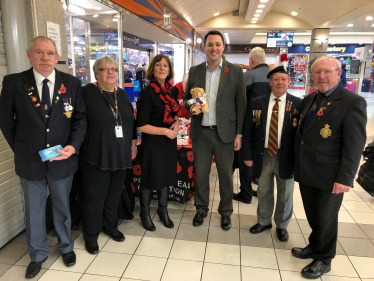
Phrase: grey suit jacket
(230, 104)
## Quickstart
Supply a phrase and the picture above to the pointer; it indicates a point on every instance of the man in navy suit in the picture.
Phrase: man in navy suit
(328, 148)
(40, 108)
(270, 161)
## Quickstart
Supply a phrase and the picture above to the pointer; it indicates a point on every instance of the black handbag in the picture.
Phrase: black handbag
(365, 177)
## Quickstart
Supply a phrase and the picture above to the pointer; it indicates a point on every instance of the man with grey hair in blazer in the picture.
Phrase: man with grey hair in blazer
(217, 132)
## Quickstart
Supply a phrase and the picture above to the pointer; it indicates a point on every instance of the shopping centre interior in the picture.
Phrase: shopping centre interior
(132, 32)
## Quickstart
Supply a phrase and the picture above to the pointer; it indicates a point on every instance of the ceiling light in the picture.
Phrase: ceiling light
(188, 40)
(253, 21)
(116, 16)
(256, 15)
(199, 40)
(258, 11)
(95, 15)
(216, 14)
(372, 25)
(369, 18)
(261, 6)
(350, 24)
(294, 13)
(110, 12)
(263, 1)
(115, 19)
(97, 8)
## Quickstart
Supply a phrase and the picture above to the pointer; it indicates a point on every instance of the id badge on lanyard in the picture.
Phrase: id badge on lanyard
(119, 133)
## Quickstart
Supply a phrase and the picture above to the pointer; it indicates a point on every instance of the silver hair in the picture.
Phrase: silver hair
(257, 54)
(101, 61)
(338, 65)
(42, 38)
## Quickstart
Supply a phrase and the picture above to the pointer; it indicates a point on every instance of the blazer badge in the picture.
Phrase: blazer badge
(294, 122)
(325, 132)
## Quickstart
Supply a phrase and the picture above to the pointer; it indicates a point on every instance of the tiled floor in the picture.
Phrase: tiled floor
(207, 252)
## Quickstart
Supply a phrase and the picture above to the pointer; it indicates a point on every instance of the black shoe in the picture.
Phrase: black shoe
(239, 197)
(254, 193)
(92, 247)
(116, 235)
(69, 259)
(258, 228)
(34, 268)
(199, 219)
(225, 222)
(303, 253)
(282, 234)
(315, 269)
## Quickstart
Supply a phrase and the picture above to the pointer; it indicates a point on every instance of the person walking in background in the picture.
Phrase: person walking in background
(268, 143)
(127, 74)
(256, 85)
(106, 153)
(141, 76)
(343, 76)
(157, 119)
(217, 132)
(328, 147)
(41, 108)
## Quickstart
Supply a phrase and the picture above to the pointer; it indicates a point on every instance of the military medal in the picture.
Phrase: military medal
(68, 107)
(325, 132)
(329, 103)
(294, 122)
(258, 117)
(253, 115)
(289, 106)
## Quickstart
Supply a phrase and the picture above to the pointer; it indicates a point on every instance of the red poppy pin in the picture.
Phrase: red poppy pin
(295, 111)
(226, 69)
(62, 89)
(320, 111)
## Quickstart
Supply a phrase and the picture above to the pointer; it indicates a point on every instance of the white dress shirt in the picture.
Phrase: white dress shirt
(211, 87)
(39, 83)
(282, 108)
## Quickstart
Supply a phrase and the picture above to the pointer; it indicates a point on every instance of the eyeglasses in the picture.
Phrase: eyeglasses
(105, 69)
(325, 72)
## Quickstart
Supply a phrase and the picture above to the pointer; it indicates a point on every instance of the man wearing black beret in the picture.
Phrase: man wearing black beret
(268, 143)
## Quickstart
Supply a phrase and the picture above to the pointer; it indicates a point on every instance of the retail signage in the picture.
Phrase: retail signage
(279, 39)
(331, 49)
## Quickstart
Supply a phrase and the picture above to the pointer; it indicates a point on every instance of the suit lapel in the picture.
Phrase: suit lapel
(329, 104)
(287, 114)
(202, 71)
(31, 90)
(57, 98)
(264, 113)
(223, 79)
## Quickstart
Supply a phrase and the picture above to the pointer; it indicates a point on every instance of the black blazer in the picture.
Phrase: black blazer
(330, 149)
(28, 131)
(255, 130)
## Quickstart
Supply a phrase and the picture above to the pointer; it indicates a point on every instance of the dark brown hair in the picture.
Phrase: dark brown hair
(151, 68)
(213, 32)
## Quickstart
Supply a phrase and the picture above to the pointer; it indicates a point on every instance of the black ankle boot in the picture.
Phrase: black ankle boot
(162, 210)
(145, 202)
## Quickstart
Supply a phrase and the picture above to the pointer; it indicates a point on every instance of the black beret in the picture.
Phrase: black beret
(277, 69)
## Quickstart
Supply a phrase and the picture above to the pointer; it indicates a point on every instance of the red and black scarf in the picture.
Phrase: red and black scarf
(163, 92)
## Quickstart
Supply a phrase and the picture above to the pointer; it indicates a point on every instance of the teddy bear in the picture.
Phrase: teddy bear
(199, 96)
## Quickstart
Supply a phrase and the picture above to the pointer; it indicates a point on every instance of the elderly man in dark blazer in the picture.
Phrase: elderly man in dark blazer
(268, 144)
(328, 147)
(217, 132)
(41, 108)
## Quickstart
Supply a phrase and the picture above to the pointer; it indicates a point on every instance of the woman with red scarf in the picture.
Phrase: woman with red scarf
(157, 119)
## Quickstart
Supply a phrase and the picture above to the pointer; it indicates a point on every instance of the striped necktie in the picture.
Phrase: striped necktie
(273, 130)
